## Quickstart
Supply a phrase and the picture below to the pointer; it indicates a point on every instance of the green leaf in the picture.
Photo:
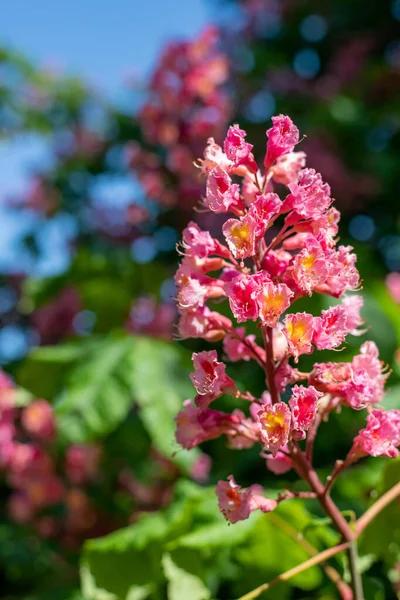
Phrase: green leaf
(272, 551)
(392, 398)
(96, 398)
(382, 536)
(182, 583)
(159, 377)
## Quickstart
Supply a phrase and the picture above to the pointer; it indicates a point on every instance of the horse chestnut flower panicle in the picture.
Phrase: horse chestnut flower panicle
(261, 275)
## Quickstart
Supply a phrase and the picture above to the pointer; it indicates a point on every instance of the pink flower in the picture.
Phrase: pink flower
(280, 463)
(303, 404)
(330, 378)
(282, 138)
(330, 329)
(38, 419)
(242, 292)
(196, 425)
(381, 436)
(238, 346)
(273, 300)
(238, 150)
(310, 197)
(310, 266)
(200, 244)
(352, 305)
(201, 322)
(299, 329)
(287, 167)
(393, 285)
(241, 236)
(221, 194)
(274, 424)
(367, 382)
(209, 377)
(214, 157)
(236, 503)
(194, 292)
(263, 210)
(343, 275)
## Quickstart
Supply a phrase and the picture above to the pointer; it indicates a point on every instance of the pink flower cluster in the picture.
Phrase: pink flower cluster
(187, 104)
(56, 490)
(278, 248)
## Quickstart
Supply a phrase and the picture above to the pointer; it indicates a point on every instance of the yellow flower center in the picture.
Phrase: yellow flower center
(308, 261)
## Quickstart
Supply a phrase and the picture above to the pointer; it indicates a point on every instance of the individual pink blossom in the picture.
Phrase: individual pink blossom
(280, 463)
(214, 156)
(242, 292)
(310, 266)
(236, 503)
(280, 344)
(381, 436)
(209, 376)
(196, 425)
(330, 329)
(361, 390)
(274, 423)
(221, 194)
(192, 431)
(263, 210)
(272, 301)
(287, 167)
(310, 197)
(201, 244)
(393, 285)
(238, 150)
(343, 274)
(282, 138)
(238, 346)
(201, 322)
(250, 191)
(299, 329)
(303, 404)
(352, 305)
(38, 420)
(331, 378)
(241, 236)
(194, 292)
(367, 382)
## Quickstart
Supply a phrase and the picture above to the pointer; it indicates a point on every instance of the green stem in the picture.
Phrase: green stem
(356, 580)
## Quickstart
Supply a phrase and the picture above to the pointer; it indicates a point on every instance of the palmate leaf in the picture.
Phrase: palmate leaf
(189, 551)
(98, 381)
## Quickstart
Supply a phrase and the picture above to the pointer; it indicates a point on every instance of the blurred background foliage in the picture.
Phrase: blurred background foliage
(87, 304)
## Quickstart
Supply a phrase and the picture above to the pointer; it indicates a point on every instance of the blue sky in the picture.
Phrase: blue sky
(102, 40)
